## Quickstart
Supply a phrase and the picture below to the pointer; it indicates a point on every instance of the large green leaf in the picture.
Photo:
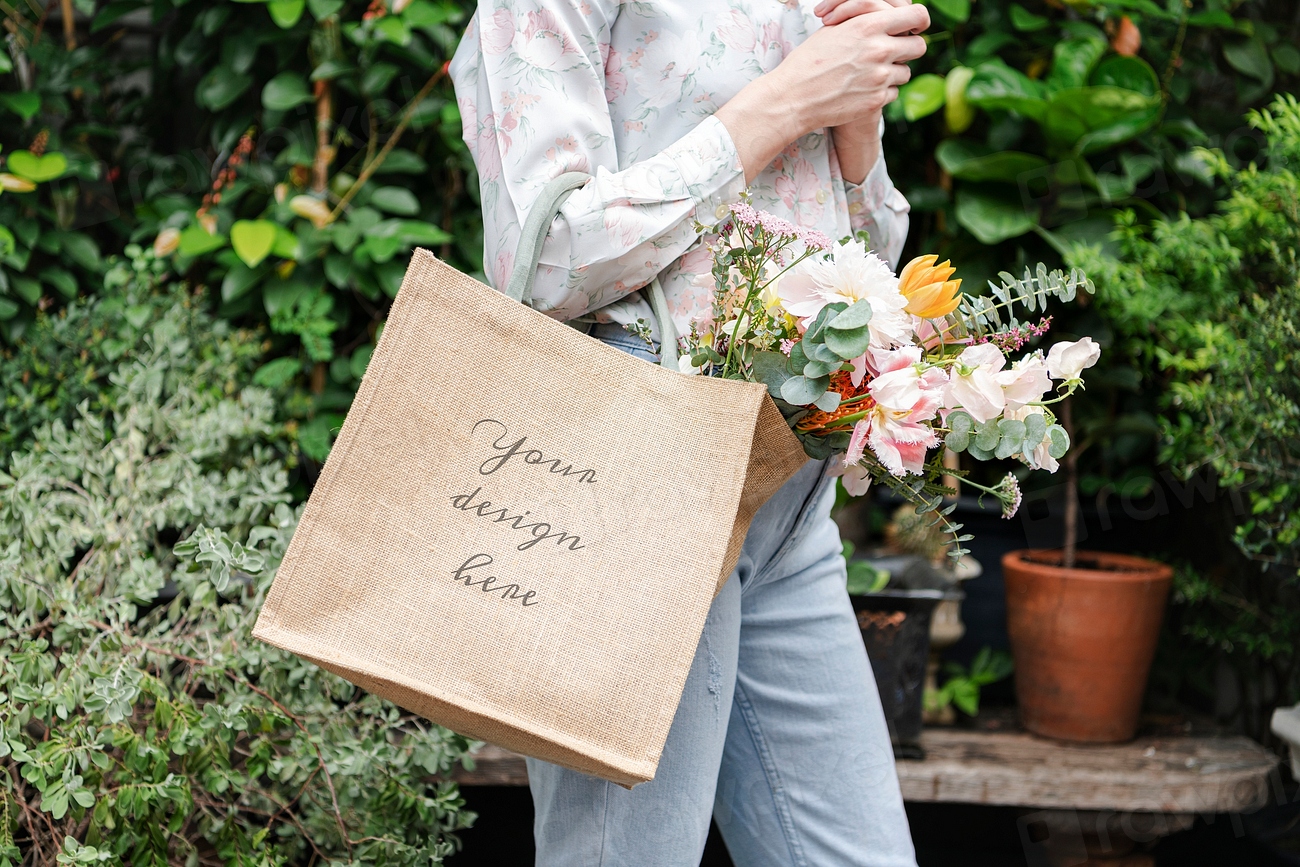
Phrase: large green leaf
(1250, 58)
(1130, 73)
(922, 96)
(396, 200)
(1077, 111)
(37, 169)
(970, 161)
(996, 85)
(287, 90)
(253, 240)
(1073, 61)
(957, 10)
(321, 9)
(24, 104)
(239, 280)
(1024, 20)
(957, 112)
(220, 87)
(285, 13)
(196, 240)
(993, 218)
(115, 11)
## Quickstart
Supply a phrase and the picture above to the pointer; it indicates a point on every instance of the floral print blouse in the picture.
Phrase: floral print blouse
(626, 91)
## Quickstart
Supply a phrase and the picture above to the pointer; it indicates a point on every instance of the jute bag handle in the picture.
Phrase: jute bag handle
(536, 226)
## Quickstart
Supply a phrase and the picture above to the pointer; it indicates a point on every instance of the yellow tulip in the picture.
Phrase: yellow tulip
(929, 292)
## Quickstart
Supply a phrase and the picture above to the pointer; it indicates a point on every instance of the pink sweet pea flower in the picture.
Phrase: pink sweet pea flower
(1069, 359)
(856, 479)
(973, 386)
(1026, 382)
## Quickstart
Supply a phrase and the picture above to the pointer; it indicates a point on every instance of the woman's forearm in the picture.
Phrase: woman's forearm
(761, 124)
(842, 76)
(857, 146)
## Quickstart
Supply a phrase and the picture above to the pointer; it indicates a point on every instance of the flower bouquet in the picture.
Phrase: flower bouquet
(885, 369)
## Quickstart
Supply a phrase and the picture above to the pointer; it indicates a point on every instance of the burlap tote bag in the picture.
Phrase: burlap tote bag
(519, 530)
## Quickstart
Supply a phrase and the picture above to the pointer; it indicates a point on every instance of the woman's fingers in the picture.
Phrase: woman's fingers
(833, 12)
(906, 48)
(899, 75)
(826, 6)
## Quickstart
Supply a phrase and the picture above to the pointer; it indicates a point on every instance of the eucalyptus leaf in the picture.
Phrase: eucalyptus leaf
(802, 391)
(1035, 430)
(828, 402)
(815, 369)
(1012, 440)
(852, 318)
(770, 368)
(849, 344)
(1060, 441)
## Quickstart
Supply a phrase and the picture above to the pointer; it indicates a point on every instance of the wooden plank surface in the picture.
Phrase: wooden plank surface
(1202, 775)
(1152, 774)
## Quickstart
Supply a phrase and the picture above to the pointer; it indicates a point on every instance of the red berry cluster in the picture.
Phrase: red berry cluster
(39, 143)
(227, 175)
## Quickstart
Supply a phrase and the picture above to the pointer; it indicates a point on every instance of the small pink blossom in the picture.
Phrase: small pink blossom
(754, 219)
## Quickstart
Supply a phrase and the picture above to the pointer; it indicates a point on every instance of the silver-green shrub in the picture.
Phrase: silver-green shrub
(140, 723)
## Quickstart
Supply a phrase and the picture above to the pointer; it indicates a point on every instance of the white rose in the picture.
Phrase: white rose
(1070, 359)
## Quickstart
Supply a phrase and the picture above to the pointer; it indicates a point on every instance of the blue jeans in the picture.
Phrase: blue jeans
(779, 735)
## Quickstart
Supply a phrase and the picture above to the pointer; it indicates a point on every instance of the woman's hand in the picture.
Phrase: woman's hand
(842, 76)
(857, 143)
(838, 11)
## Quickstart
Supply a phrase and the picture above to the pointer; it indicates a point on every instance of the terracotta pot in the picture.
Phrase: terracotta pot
(1083, 639)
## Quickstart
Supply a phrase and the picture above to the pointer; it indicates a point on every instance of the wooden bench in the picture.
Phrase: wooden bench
(1082, 804)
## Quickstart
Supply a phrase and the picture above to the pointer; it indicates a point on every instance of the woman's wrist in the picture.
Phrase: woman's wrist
(857, 147)
(761, 124)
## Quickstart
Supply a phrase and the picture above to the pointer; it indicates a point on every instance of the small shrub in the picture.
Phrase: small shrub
(140, 722)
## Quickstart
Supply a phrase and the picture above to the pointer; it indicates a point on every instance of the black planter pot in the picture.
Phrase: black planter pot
(896, 630)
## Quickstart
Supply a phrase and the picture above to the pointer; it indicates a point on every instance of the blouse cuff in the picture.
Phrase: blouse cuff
(865, 199)
(710, 168)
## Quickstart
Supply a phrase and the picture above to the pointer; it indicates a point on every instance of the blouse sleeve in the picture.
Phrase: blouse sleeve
(879, 209)
(534, 96)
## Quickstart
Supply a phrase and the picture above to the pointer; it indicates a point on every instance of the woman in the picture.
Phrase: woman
(676, 107)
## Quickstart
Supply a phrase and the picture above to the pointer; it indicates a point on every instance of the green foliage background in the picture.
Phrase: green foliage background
(269, 166)
(142, 723)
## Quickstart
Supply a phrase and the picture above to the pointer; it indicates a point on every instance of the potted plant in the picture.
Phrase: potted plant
(894, 600)
(1083, 628)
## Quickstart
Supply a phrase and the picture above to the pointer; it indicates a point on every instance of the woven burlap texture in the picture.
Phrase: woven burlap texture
(586, 672)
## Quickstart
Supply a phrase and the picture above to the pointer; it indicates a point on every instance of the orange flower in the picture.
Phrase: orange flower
(929, 292)
(842, 384)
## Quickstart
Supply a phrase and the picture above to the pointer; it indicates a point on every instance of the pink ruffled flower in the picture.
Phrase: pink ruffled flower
(896, 426)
